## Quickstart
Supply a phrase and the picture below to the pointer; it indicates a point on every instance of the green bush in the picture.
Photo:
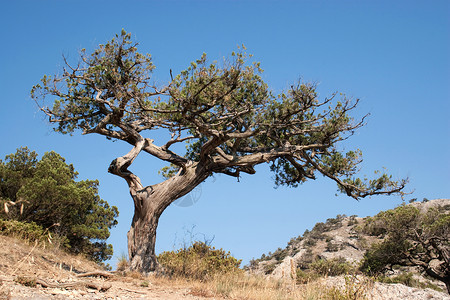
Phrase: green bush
(269, 268)
(332, 247)
(199, 261)
(331, 267)
(404, 278)
(306, 276)
(412, 237)
(29, 231)
(45, 192)
(372, 226)
(280, 254)
(407, 279)
(323, 267)
(309, 242)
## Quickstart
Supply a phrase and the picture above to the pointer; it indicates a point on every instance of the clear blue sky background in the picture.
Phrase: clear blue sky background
(394, 55)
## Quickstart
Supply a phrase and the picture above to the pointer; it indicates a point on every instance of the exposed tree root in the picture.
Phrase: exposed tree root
(102, 287)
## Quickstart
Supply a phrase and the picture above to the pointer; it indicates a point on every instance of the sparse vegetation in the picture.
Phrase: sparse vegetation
(269, 268)
(332, 247)
(322, 267)
(145, 283)
(309, 239)
(355, 288)
(408, 279)
(30, 232)
(122, 263)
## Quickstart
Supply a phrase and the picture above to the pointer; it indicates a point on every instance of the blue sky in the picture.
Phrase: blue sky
(393, 55)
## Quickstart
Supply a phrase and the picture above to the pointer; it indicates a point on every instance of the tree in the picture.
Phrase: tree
(412, 237)
(45, 192)
(225, 113)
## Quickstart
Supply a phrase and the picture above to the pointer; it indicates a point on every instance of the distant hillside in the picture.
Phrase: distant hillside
(339, 241)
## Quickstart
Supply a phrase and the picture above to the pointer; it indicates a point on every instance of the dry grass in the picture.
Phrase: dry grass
(20, 257)
(249, 287)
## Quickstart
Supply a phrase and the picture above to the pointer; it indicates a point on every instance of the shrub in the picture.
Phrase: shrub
(309, 242)
(269, 268)
(199, 261)
(331, 267)
(45, 192)
(382, 255)
(332, 247)
(354, 289)
(352, 220)
(280, 254)
(306, 259)
(407, 278)
(122, 263)
(304, 277)
(323, 267)
(30, 232)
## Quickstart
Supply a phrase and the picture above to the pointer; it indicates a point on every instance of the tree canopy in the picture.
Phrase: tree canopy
(46, 192)
(224, 112)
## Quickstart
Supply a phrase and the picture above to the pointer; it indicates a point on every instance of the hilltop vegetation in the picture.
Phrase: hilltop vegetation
(409, 244)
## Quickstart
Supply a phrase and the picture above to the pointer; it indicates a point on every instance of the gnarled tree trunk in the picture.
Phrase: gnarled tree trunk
(149, 204)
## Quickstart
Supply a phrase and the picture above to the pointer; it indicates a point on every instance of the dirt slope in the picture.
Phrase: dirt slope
(20, 261)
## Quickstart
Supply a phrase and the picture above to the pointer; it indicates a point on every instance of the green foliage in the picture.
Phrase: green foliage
(199, 261)
(411, 237)
(407, 278)
(145, 283)
(45, 193)
(30, 232)
(331, 267)
(323, 267)
(332, 247)
(352, 221)
(310, 242)
(382, 255)
(270, 267)
(225, 112)
(306, 276)
(280, 254)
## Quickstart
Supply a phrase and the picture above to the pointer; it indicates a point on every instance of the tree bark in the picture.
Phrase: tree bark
(150, 202)
(445, 278)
